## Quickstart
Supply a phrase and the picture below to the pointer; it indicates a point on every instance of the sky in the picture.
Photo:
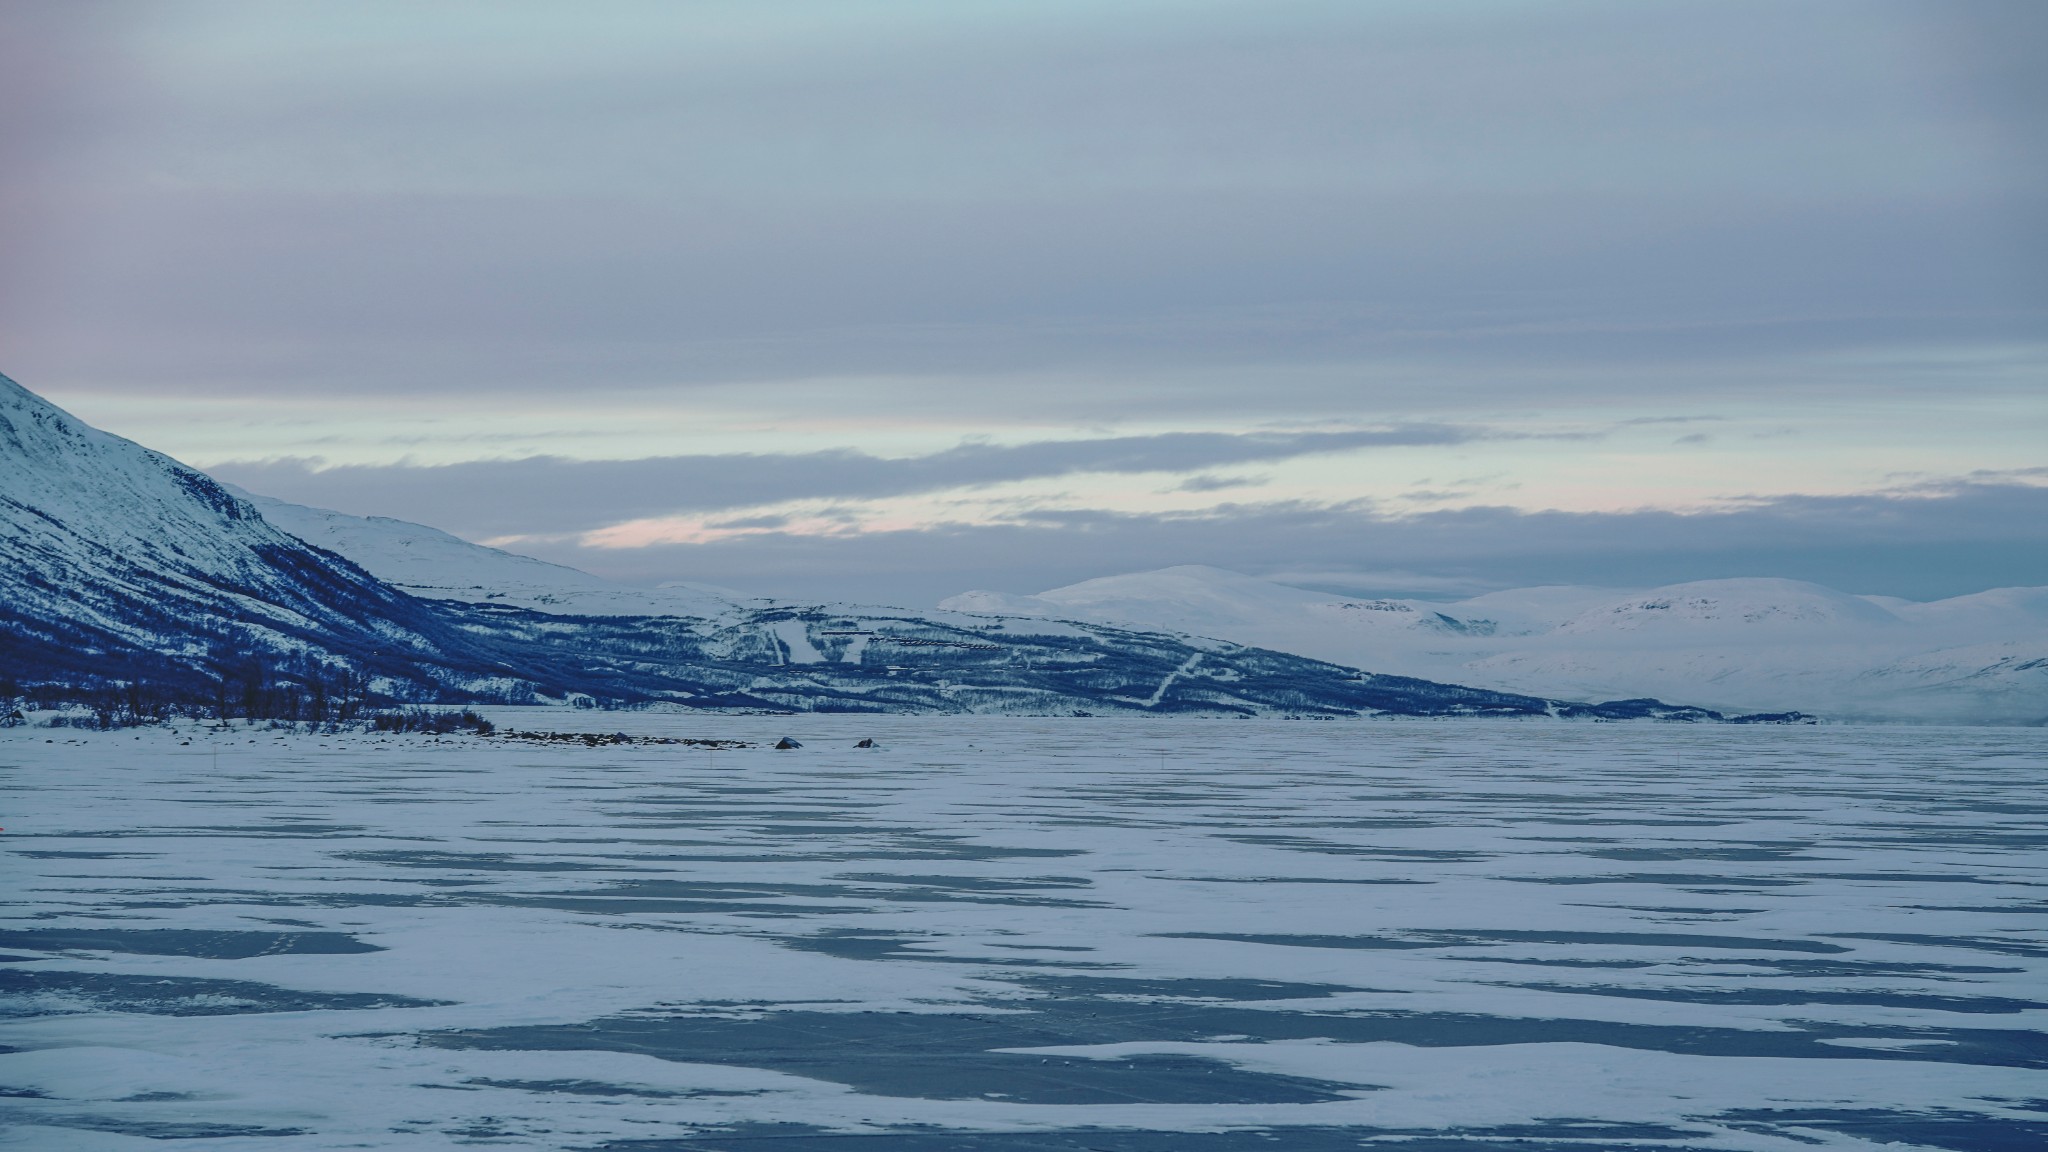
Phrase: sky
(886, 300)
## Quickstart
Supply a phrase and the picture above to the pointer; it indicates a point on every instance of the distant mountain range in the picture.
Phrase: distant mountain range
(120, 565)
(1727, 644)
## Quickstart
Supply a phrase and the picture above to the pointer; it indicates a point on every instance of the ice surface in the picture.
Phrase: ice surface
(1003, 934)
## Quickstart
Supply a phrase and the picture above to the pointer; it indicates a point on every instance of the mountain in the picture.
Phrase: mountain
(711, 648)
(1203, 601)
(120, 563)
(1729, 644)
(1715, 611)
(434, 565)
(122, 566)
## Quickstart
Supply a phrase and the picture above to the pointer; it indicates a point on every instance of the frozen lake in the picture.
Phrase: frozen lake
(997, 935)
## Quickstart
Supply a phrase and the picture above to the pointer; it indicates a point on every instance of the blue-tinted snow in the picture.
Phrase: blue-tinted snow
(1003, 934)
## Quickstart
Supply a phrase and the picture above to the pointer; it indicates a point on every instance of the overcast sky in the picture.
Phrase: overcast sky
(888, 300)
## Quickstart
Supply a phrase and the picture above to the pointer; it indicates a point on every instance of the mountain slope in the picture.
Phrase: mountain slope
(121, 565)
(120, 562)
(1731, 611)
(434, 565)
(711, 651)
(1730, 644)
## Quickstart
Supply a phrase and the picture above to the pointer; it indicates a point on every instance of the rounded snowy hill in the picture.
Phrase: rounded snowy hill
(1205, 601)
(1732, 610)
(1749, 644)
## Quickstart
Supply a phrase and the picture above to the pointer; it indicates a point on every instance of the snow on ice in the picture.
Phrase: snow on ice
(1004, 934)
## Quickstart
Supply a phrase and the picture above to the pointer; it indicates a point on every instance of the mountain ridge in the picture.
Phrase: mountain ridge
(1732, 644)
(124, 566)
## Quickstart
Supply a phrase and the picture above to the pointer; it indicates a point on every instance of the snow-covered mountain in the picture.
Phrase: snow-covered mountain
(849, 657)
(1729, 644)
(120, 565)
(435, 565)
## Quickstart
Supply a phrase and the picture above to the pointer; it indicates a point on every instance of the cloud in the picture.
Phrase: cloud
(1924, 543)
(1208, 483)
(662, 224)
(549, 495)
(664, 197)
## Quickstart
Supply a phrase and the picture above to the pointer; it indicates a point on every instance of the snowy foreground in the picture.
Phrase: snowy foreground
(1000, 934)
